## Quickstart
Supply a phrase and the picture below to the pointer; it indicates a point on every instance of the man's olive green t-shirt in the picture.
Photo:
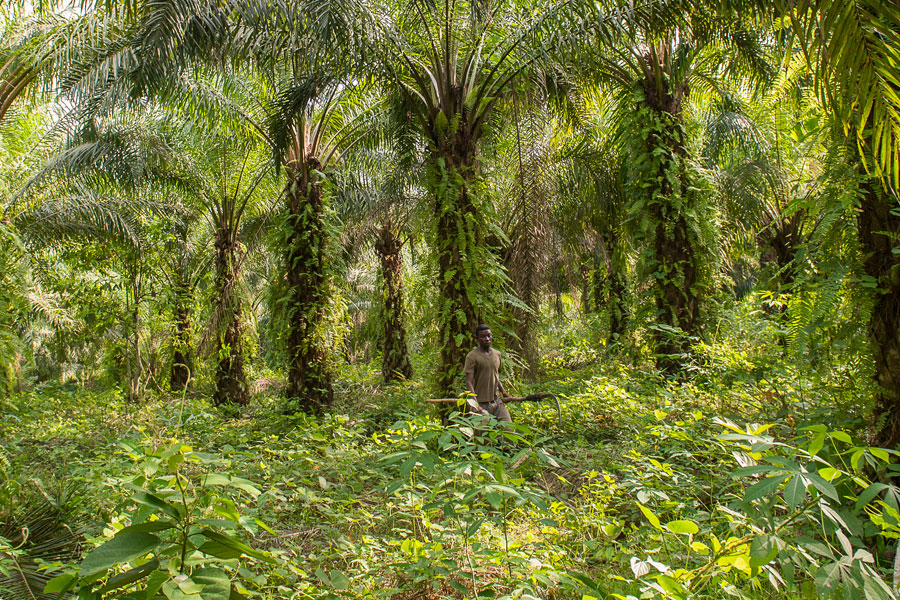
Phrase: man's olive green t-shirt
(486, 369)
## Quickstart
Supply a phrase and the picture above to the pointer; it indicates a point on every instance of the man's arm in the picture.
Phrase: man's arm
(500, 387)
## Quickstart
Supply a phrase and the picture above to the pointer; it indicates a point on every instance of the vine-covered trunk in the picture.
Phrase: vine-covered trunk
(182, 355)
(231, 381)
(617, 288)
(451, 177)
(395, 362)
(879, 228)
(677, 253)
(306, 245)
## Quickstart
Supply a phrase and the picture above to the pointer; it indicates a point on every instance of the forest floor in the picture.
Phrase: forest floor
(744, 482)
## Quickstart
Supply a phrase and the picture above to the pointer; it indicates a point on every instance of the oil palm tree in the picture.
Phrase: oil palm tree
(853, 49)
(376, 193)
(288, 99)
(452, 63)
(149, 156)
(654, 57)
(591, 220)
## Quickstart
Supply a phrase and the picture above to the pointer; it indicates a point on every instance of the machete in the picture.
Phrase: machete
(511, 399)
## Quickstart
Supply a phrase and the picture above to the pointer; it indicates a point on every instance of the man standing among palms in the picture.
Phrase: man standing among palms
(483, 377)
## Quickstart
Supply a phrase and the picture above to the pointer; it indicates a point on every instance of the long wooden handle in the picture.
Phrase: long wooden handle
(505, 400)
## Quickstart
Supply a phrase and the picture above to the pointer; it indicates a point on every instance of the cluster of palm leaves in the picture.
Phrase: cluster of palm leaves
(241, 154)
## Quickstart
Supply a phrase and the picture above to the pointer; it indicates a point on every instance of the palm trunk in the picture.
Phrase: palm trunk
(231, 381)
(182, 357)
(523, 263)
(309, 375)
(133, 362)
(395, 364)
(586, 297)
(450, 179)
(599, 290)
(878, 229)
(617, 288)
(678, 272)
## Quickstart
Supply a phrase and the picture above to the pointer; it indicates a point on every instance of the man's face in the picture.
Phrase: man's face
(484, 338)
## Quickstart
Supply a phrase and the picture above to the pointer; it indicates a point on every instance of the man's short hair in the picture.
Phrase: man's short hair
(481, 328)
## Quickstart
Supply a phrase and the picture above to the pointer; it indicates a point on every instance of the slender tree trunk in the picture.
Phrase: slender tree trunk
(557, 282)
(879, 228)
(309, 374)
(133, 361)
(586, 307)
(617, 288)
(395, 362)
(231, 381)
(182, 356)
(599, 274)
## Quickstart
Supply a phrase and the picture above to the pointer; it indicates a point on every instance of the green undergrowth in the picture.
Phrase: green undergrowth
(739, 483)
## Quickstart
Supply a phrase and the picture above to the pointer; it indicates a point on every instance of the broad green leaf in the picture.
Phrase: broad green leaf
(869, 493)
(699, 547)
(237, 545)
(762, 551)
(216, 479)
(856, 457)
(173, 591)
(460, 588)
(654, 520)
(815, 445)
(148, 526)
(671, 586)
(795, 491)
(122, 548)
(245, 485)
(154, 501)
(841, 436)
(339, 581)
(763, 488)
(60, 584)
(215, 582)
(682, 527)
(823, 486)
(407, 466)
(881, 454)
(128, 577)
(829, 473)
(219, 550)
(154, 583)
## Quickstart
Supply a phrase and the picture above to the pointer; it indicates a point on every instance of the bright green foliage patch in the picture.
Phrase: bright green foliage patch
(648, 490)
